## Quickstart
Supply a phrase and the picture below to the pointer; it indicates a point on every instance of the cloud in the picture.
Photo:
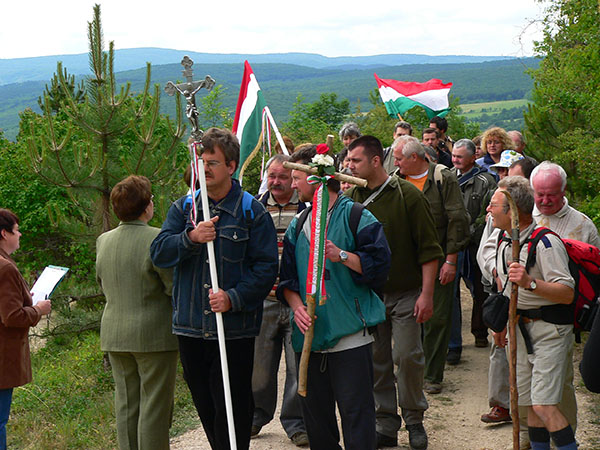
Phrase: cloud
(331, 28)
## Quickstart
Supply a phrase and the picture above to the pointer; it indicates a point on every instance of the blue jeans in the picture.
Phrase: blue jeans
(5, 401)
(470, 273)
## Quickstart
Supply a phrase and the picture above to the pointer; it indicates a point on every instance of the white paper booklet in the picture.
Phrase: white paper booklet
(47, 282)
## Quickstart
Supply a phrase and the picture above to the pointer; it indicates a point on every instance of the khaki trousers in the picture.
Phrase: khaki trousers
(398, 343)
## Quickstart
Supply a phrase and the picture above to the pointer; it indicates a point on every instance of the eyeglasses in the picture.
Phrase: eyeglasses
(212, 163)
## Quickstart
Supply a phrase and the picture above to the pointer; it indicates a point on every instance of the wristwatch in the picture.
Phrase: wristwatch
(532, 285)
(343, 256)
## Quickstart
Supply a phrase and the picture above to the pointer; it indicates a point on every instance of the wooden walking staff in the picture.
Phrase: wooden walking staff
(188, 90)
(512, 323)
(311, 304)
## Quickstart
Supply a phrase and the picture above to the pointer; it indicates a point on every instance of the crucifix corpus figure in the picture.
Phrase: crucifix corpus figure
(188, 89)
(333, 258)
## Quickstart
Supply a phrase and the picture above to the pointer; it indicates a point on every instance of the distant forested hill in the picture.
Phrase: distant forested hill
(282, 83)
(41, 68)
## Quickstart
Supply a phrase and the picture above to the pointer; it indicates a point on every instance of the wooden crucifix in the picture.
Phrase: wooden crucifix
(337, 175)
(188, 89)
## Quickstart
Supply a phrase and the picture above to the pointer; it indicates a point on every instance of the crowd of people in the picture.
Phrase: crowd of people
(432, 215)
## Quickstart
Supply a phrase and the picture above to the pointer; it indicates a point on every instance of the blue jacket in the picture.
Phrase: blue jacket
(485, 162)
(352, 304)
(246, 255)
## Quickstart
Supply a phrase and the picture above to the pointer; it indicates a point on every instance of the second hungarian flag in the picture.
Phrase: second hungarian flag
(400, 96)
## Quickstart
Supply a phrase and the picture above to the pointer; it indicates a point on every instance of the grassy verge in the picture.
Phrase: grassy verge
(69, 405)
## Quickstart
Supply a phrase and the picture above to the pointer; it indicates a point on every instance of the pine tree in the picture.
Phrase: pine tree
(55, 92)
(88, 147)
(563, 123)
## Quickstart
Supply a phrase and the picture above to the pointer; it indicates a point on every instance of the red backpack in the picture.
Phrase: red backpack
(584, 266)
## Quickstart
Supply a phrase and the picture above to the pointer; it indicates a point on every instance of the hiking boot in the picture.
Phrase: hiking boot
(417, 437)
(300, 439)
(254, 431)
(453, 357)
(432, 388)
(481, 342)
(383, 440)
(496, 415)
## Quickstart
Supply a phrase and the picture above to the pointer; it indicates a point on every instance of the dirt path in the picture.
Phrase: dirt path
(452, 420)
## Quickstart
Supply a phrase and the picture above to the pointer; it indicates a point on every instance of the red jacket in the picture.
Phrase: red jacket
(16, 316)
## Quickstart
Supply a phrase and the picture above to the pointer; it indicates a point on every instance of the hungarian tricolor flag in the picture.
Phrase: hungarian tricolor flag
(400, 96)
(247, 125)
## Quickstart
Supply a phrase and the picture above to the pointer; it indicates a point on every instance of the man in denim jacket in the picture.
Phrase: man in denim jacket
(246, 255)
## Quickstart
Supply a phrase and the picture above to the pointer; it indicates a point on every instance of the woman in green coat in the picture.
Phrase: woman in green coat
(136, 323)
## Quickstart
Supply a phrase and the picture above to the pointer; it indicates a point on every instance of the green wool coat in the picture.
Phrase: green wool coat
(137, 315)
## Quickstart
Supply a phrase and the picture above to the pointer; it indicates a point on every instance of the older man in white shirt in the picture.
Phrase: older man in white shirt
(551, 210)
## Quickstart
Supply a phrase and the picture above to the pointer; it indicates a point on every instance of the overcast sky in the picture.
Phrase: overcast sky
(328, 27)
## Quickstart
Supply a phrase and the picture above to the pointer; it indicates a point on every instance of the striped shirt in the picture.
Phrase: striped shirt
(282, 215)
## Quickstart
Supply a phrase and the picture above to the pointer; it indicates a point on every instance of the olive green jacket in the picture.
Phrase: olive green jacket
(449, 213)
(477, 186)
(409, 229)
(137, 315)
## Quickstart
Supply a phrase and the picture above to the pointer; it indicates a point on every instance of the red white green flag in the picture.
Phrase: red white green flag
(248, 122)
(400, 96)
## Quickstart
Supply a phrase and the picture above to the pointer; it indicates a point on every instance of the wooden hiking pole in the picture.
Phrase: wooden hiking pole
(329, 142)
(311, 304)
(512, 323)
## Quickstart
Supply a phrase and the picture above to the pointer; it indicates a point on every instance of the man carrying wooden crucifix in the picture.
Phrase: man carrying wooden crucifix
(356, 260)
(245, 246)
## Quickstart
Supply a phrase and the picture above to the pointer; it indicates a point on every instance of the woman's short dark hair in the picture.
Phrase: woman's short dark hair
(8, 219)
(226, 141)
(130, 197)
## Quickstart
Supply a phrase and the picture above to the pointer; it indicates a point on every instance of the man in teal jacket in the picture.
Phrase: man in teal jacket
(340, 368)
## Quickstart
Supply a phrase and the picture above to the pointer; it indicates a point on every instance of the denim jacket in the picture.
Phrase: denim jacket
(247, 263)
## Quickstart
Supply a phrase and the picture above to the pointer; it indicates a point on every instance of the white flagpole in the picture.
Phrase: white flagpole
(219, 317)
(277, 134)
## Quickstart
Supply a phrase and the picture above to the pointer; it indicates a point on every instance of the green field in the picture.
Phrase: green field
(472, 110)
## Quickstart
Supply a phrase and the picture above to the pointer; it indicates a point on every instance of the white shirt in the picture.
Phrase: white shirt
(569, 224)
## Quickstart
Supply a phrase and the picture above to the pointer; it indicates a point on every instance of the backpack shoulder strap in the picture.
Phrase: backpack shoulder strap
(247, 199)
(438, 178)
(532, 241)
(354, 220)
(301, 219)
